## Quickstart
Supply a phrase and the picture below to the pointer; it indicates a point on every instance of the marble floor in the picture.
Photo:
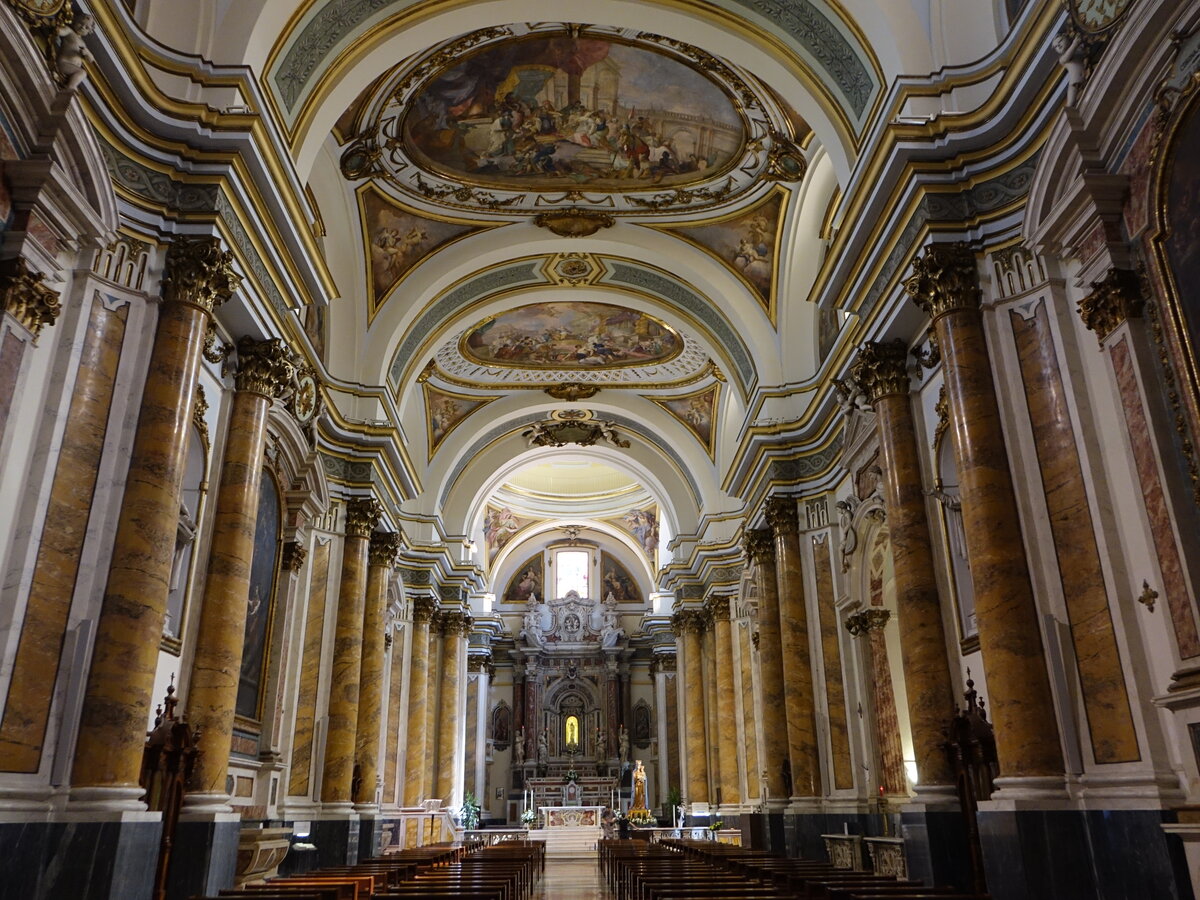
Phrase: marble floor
(571, 879)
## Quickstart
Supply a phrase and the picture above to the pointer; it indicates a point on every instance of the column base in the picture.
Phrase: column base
(83, 859)
(204, 859)
(106, 801)
(1082, 854)
(1030, 792)
(336, 839)
(200, 806)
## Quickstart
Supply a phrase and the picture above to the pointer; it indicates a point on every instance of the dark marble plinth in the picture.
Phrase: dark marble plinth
(1082, 855)
(78, 860)
(369, 832)
(763, 831)
(336, 841)
(935, 848)
(204, 860)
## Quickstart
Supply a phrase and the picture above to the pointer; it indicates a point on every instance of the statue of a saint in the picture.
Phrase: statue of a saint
(519, 747)
(623, 744)
(639, 786)
(543, 746)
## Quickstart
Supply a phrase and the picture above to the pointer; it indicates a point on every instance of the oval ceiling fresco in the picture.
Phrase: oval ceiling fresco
(556, 111)
(558, 335)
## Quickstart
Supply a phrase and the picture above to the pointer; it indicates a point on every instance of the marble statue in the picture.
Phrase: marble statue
(612, 631)
(72, 53)
(1071, 57)
(519, 747)
(639, 786)
(623, 744)
(543, 747)
(531, 630)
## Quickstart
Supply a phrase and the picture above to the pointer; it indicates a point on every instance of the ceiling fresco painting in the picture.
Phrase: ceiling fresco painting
(561, 335)
(499, 525)
(747, 242)
(697, 411)
(445, 410)
(642, 523)
(616, 582)
(557, 110)
(526, 582)
(398, 239)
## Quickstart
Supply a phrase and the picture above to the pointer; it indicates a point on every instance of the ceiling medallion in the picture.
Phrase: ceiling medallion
(572, 391)
(559, 433)
(574, 222)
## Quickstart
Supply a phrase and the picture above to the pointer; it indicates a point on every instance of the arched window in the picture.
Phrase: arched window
(571, 572)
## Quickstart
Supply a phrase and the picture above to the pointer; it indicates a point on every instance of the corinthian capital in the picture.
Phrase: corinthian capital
(782, 515)
(264, 367)
(759, 544)
(422, 609)
(362, 515)
(199, 273)
(1114, 299)
(881, 369)
(26, 299)
(384, 549)
(455, 623)
(944, 279)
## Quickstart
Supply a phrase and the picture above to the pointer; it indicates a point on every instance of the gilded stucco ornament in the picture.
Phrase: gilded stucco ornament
(264, 367)
(26, 299)
(759, 544)
(873, 619)
(572, 391)
(785, 161)
(782, 514)
(362, 515)
(422, 609)
(294, 556)
(199, 415)
(945, 279)
(554, 433)
(199, 273)
(574, 222)
(384, 549)
(454, 623)
(1114, 299)
(881, 369)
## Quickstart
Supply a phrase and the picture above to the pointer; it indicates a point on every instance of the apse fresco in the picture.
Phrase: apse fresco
(556, 111)
(748, 243)
(560, 335)
(615, 581)
(397, 239)
(643, 525)
(499, 526)
(445, 410)
(526, 582)
(697, 412)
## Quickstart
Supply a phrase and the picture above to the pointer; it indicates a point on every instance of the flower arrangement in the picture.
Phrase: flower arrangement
(642, 817)
(528, 818)
(716, 826)
(470, 811)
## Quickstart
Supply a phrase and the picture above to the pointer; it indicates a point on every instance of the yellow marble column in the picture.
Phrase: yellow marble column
(264, 370)
(726, 701)
(433, 706)
(881, 371)
(415, 758)
(116, 704)
(945, 285)
(689, 624)
(708, 656)
(383, 552)
(362, 514)
(799, 698)
(749, 672)
(760, 548)
(456, 625)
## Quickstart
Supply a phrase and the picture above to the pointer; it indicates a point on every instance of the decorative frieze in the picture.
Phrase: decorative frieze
(384, 549)
(881, 369)
(362, 515)
(264, 367)
(1114, 299)
(25, 298)
(199, 272)
(944, 279)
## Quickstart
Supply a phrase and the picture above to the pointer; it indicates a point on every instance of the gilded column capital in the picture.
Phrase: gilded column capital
(294, 556)
(422, 608)
(719, 608)
(479, 662)
(362, 515)
(759, 544)
(199, 272)
(25, 298)
(868, 620)
(881, 369)
(782, 514)
(384, 549)
(454, 623)
(264, 367)
(944, 279)
(1114, 299)
(662, 662)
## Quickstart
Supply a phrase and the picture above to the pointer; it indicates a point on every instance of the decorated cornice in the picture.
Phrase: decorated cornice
(362, 515)
(294, 556)
(760, 545)
(1113, 300)
(945, 279)
(384, 549)
(881, 369)
(26, 299)
(782, 514)
(199, 272)
(264, 367)
(422, 609)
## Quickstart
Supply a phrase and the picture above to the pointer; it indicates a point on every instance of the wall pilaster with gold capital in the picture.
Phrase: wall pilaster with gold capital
(689, 627)
(455, 626)
(760, 550)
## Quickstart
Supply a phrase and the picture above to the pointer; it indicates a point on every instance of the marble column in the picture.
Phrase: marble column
(712, 744)
(749, 730)
(485, 670)
(945, 286)
(362, 514)
(689, 624)
(659, 676)
(117, 699)
(264, 370)
(726, 703)
(382, 553)
(396, 663)
(415, 759)
(799, 697)
(760, 548)
(881, 371)
(456, 625)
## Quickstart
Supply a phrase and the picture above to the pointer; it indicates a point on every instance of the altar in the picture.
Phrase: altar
(570, 832)
(571, 816)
